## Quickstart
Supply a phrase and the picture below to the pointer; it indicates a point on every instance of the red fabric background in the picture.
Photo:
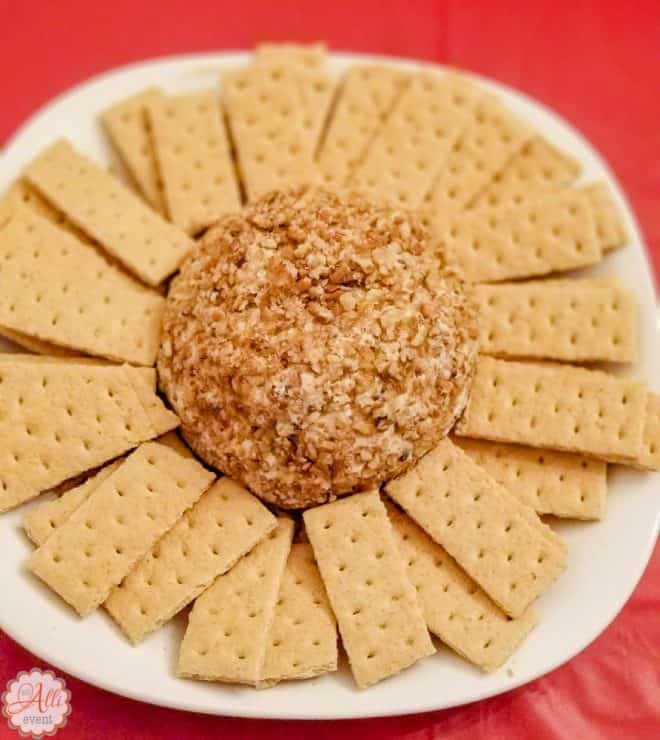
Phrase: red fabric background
(597, 64)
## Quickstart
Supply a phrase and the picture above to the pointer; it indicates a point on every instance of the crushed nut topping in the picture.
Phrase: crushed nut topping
(315, 345)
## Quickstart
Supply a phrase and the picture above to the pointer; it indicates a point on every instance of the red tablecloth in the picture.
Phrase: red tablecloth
(596, 63)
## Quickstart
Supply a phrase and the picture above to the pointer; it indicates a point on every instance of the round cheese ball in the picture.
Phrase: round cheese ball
(316, 345)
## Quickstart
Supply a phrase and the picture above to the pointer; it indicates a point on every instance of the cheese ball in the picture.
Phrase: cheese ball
(315, 345)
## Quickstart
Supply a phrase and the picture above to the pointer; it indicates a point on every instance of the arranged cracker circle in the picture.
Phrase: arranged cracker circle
(466, 554)
(194, 159)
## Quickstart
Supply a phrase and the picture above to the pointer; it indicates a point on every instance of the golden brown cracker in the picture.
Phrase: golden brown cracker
(555, 406)
(230, 622)
(379, 616)
(481, 525)
(112, 215)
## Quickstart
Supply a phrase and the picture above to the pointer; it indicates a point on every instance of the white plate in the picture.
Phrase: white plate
(606, 559)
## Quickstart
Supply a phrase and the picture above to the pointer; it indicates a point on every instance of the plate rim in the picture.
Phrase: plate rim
(348, 57)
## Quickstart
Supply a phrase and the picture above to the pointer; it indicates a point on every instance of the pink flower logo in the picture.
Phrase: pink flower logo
(36, 703)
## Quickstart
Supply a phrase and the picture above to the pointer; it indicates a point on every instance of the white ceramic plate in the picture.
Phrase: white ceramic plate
(606, 559)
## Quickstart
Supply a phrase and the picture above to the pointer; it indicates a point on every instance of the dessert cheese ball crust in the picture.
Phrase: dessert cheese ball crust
(315, 345)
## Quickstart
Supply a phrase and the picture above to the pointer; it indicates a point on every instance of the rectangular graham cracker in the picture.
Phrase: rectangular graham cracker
(555, 406)
(58, 420)
(411, 149)
(483, 527)
(464, 471)
(557, 483)
(537, 170)
(267, 124)
(128, 128)
(379, 615)
(455, 608)
(610, 229)
(39, 523)
(648, 457)
(102, 540)
(302, 642)
(230, 622)
(317, 88)
(554, 234)
(570, 320)
(486, 145)
(317, 91)
(366, 96)
(225, 524)
(60, 291)
(142, 379)
(195, 160)
(112, 215)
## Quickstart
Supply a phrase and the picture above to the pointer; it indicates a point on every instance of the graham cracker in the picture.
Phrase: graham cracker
(553, 234)
(143, 381)
(415, 141)
(484, 148)
(112, 215)
(303, 638)
(379, 615)
(464, 470)
(367, 94)
(317, 88)
(610, 229)
(455, 608)
(649, 456)
(537, 170)
(58, 420)
(102, 540)
(128, 128)
(481, 525)
(571, 320)
(39, 523)
(195, 160)
(23, 195)
(63, 292)
(557, 483)
(229, 624)
(225, 524)
(555, 406)
(264, 111)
